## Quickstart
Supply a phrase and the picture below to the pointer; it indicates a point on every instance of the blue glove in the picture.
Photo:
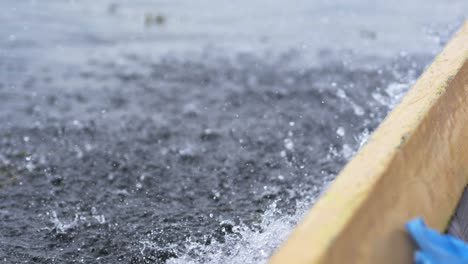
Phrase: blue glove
(435, 248)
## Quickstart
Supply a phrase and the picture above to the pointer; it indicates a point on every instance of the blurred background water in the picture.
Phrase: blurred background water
(56, 28)
(190, 131)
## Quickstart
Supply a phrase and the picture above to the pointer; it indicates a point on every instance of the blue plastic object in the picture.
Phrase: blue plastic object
(436, 248)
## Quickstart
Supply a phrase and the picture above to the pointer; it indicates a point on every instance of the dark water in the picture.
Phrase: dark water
(128, 139)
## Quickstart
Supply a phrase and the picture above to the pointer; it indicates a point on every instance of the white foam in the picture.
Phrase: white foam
(249, 246)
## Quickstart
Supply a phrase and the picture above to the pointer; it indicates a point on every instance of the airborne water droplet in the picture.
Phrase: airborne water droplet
(340, 131)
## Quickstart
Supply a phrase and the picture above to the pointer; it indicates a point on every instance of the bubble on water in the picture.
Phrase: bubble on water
(216, 194)
(288, 144)
(111, 176)
(88, 147)
(77, 123)
(191, 109)
(78, 151)
(30, 166)
(188, 152)
(357, 109)
(340, 131)
(341, 94)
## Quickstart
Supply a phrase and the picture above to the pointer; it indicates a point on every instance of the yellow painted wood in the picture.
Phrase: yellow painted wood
(414, 164)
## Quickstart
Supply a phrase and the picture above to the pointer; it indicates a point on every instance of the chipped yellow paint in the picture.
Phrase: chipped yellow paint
(414, 164)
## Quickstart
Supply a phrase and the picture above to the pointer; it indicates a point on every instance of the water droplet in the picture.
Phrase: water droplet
(340, 131)
(288, 144)
(341, 94)
(30, 167)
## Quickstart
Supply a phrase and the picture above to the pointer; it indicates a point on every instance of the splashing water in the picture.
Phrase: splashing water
(62, 226)
(193, 181)
(246, 245)
(255, 245)
(392, 94)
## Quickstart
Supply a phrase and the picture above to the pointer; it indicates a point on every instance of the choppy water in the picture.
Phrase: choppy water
(156, 132)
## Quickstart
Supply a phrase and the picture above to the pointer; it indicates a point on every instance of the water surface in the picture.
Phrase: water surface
(155, 131)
